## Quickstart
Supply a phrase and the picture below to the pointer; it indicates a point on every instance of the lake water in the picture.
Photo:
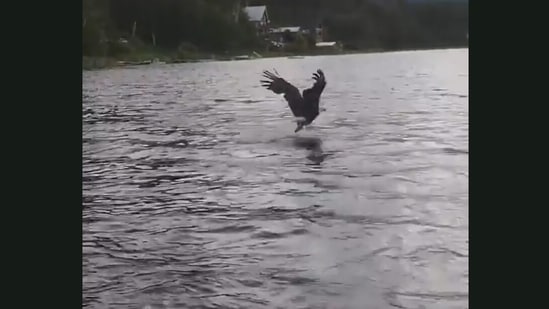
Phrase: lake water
(198, 193)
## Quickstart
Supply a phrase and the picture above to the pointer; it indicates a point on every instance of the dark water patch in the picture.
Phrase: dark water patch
(293, 280)
(455, 151)
(434, 296)
(432, 250)
(179, 143)
(231, 229)
(452, 95)
(249, 101)
(275, 235)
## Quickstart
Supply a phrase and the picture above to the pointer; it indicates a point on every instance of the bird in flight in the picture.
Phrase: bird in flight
(304, 107)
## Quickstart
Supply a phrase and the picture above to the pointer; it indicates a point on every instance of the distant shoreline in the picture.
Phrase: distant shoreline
(101, 63)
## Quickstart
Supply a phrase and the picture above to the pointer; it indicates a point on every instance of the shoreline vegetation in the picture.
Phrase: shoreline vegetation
(100, 63)
(143, 32)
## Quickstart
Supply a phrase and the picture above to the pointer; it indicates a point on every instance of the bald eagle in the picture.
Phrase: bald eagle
(305, 107)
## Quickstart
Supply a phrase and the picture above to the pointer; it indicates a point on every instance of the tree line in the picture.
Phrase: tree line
(384, 24)
(221, 25)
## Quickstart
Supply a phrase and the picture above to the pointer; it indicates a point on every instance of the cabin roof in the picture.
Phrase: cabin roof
(255, 13)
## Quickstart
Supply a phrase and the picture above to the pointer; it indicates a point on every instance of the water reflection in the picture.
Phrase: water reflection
(313, 145)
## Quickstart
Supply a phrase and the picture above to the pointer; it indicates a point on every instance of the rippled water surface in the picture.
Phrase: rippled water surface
(197, 193)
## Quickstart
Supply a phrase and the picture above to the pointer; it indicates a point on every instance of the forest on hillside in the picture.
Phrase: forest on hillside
(212, 25)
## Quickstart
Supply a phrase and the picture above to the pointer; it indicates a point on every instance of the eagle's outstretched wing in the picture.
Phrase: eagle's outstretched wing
(278, 85)
(311, 96)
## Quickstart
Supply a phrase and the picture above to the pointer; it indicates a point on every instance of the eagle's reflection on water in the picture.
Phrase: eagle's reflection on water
(314, 147)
